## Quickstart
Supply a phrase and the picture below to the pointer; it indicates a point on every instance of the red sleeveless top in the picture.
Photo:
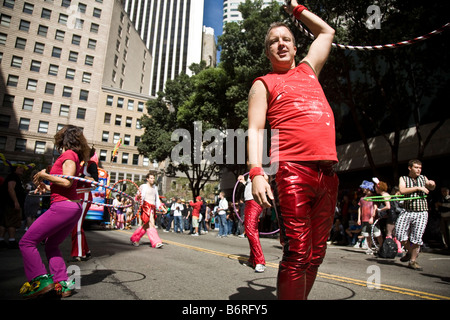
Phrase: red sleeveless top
(300, 117)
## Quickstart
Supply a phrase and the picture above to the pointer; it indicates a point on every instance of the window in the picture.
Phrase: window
(16, 62)
(50, 88)
(140, 106)
(107, 118)
(24, 124)
(3, 37)
(5, 20)
(28, 8)
(118, 121)
(130, 104)
(76, 39)
(105, 136)
(97, 12)
(46, 13)
(31, 84)
(146, 162)
(119, 102)
(135, 159)
(65, 3)
(73, 56)
(84, 94)
(89, 60)
(8, 101)
(42, 31)
(137, 139)
(138, 124)
(129, 122)
(63, 18)
(21, 145)
(127, 140)
(56, 52)
(94, 28)
(12, 81)
(86, 77)
(24, 25)
(79, 23)
(103, 154)
(35, 66)
(39, 147)
(43, 127)
(8, 3)
(67, 92)
(109, 100)
(27, 104)
(21, 43)
(53, 70)
(59, 35)
(81, 7)
(70, 74)
(4, 121)
(46, 107)
(116, 137)
(92, 44)
(125, 158)
(2, 142)
(39, 47)
(64, 110)
(81, 113)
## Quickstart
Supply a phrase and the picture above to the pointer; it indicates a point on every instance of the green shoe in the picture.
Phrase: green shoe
(65, 288)
(38, 286)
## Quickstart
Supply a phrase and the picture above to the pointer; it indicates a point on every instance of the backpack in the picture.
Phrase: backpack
(388, 249)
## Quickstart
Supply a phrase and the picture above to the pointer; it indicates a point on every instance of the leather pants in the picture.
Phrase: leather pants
(306, 193)
(251, 219)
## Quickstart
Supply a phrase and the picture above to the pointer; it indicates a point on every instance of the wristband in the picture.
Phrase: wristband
(256, 171)
(298, 10)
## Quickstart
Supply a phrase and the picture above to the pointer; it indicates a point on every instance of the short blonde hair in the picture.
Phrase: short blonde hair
(273, 26)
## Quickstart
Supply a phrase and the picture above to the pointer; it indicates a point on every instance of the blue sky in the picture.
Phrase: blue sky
(213, 13)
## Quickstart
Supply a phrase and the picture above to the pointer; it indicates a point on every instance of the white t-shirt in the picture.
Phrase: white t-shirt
(223, 206)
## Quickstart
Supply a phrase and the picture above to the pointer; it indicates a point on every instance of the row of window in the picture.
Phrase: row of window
(116, 138)
(120, 103)
(40, 148)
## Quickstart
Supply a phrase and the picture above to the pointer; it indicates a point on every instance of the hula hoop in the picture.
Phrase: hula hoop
(98, 184)
(392, 198)
(371, 234)
(375, 47)
(235, 210)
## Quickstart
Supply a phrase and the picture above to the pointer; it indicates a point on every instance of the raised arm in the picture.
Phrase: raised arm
(323, 33)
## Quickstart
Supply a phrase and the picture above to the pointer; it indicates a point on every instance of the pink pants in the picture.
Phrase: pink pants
(251, 220)
(53, 226)
(307, 193)
(151, 233)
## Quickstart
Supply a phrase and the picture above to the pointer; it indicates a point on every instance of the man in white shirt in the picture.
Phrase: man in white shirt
(222, 215)
(150, 202)
(177, 209)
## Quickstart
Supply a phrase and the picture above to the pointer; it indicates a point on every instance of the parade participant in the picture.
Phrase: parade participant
(80, 249)
(55, 224)
(12, 198)
(366, 216)
(252, 211)
(195, 213)
(150, 202)
(291, 99)
(412, 222)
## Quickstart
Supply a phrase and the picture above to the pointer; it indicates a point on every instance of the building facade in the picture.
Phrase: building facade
(71, 62)
(172, 30)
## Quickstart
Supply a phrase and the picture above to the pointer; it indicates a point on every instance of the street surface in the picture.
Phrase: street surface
(211, 268)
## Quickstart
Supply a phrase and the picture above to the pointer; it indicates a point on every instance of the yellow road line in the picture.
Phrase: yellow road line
(394, 289)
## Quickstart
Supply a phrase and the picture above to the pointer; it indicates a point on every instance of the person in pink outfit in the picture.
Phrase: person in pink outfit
(150, 201)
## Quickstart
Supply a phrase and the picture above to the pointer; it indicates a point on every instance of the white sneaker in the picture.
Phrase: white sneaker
(159, 245)
(194, 234)
(260, 268)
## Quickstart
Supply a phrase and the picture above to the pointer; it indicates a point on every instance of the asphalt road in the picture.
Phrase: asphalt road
(191, 268)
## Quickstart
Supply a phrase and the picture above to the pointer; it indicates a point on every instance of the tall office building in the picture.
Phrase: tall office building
(72, 62)
(172, 31)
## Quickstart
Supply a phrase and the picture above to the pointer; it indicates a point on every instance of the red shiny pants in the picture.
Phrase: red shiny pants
(307, 194)
(251, 220)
